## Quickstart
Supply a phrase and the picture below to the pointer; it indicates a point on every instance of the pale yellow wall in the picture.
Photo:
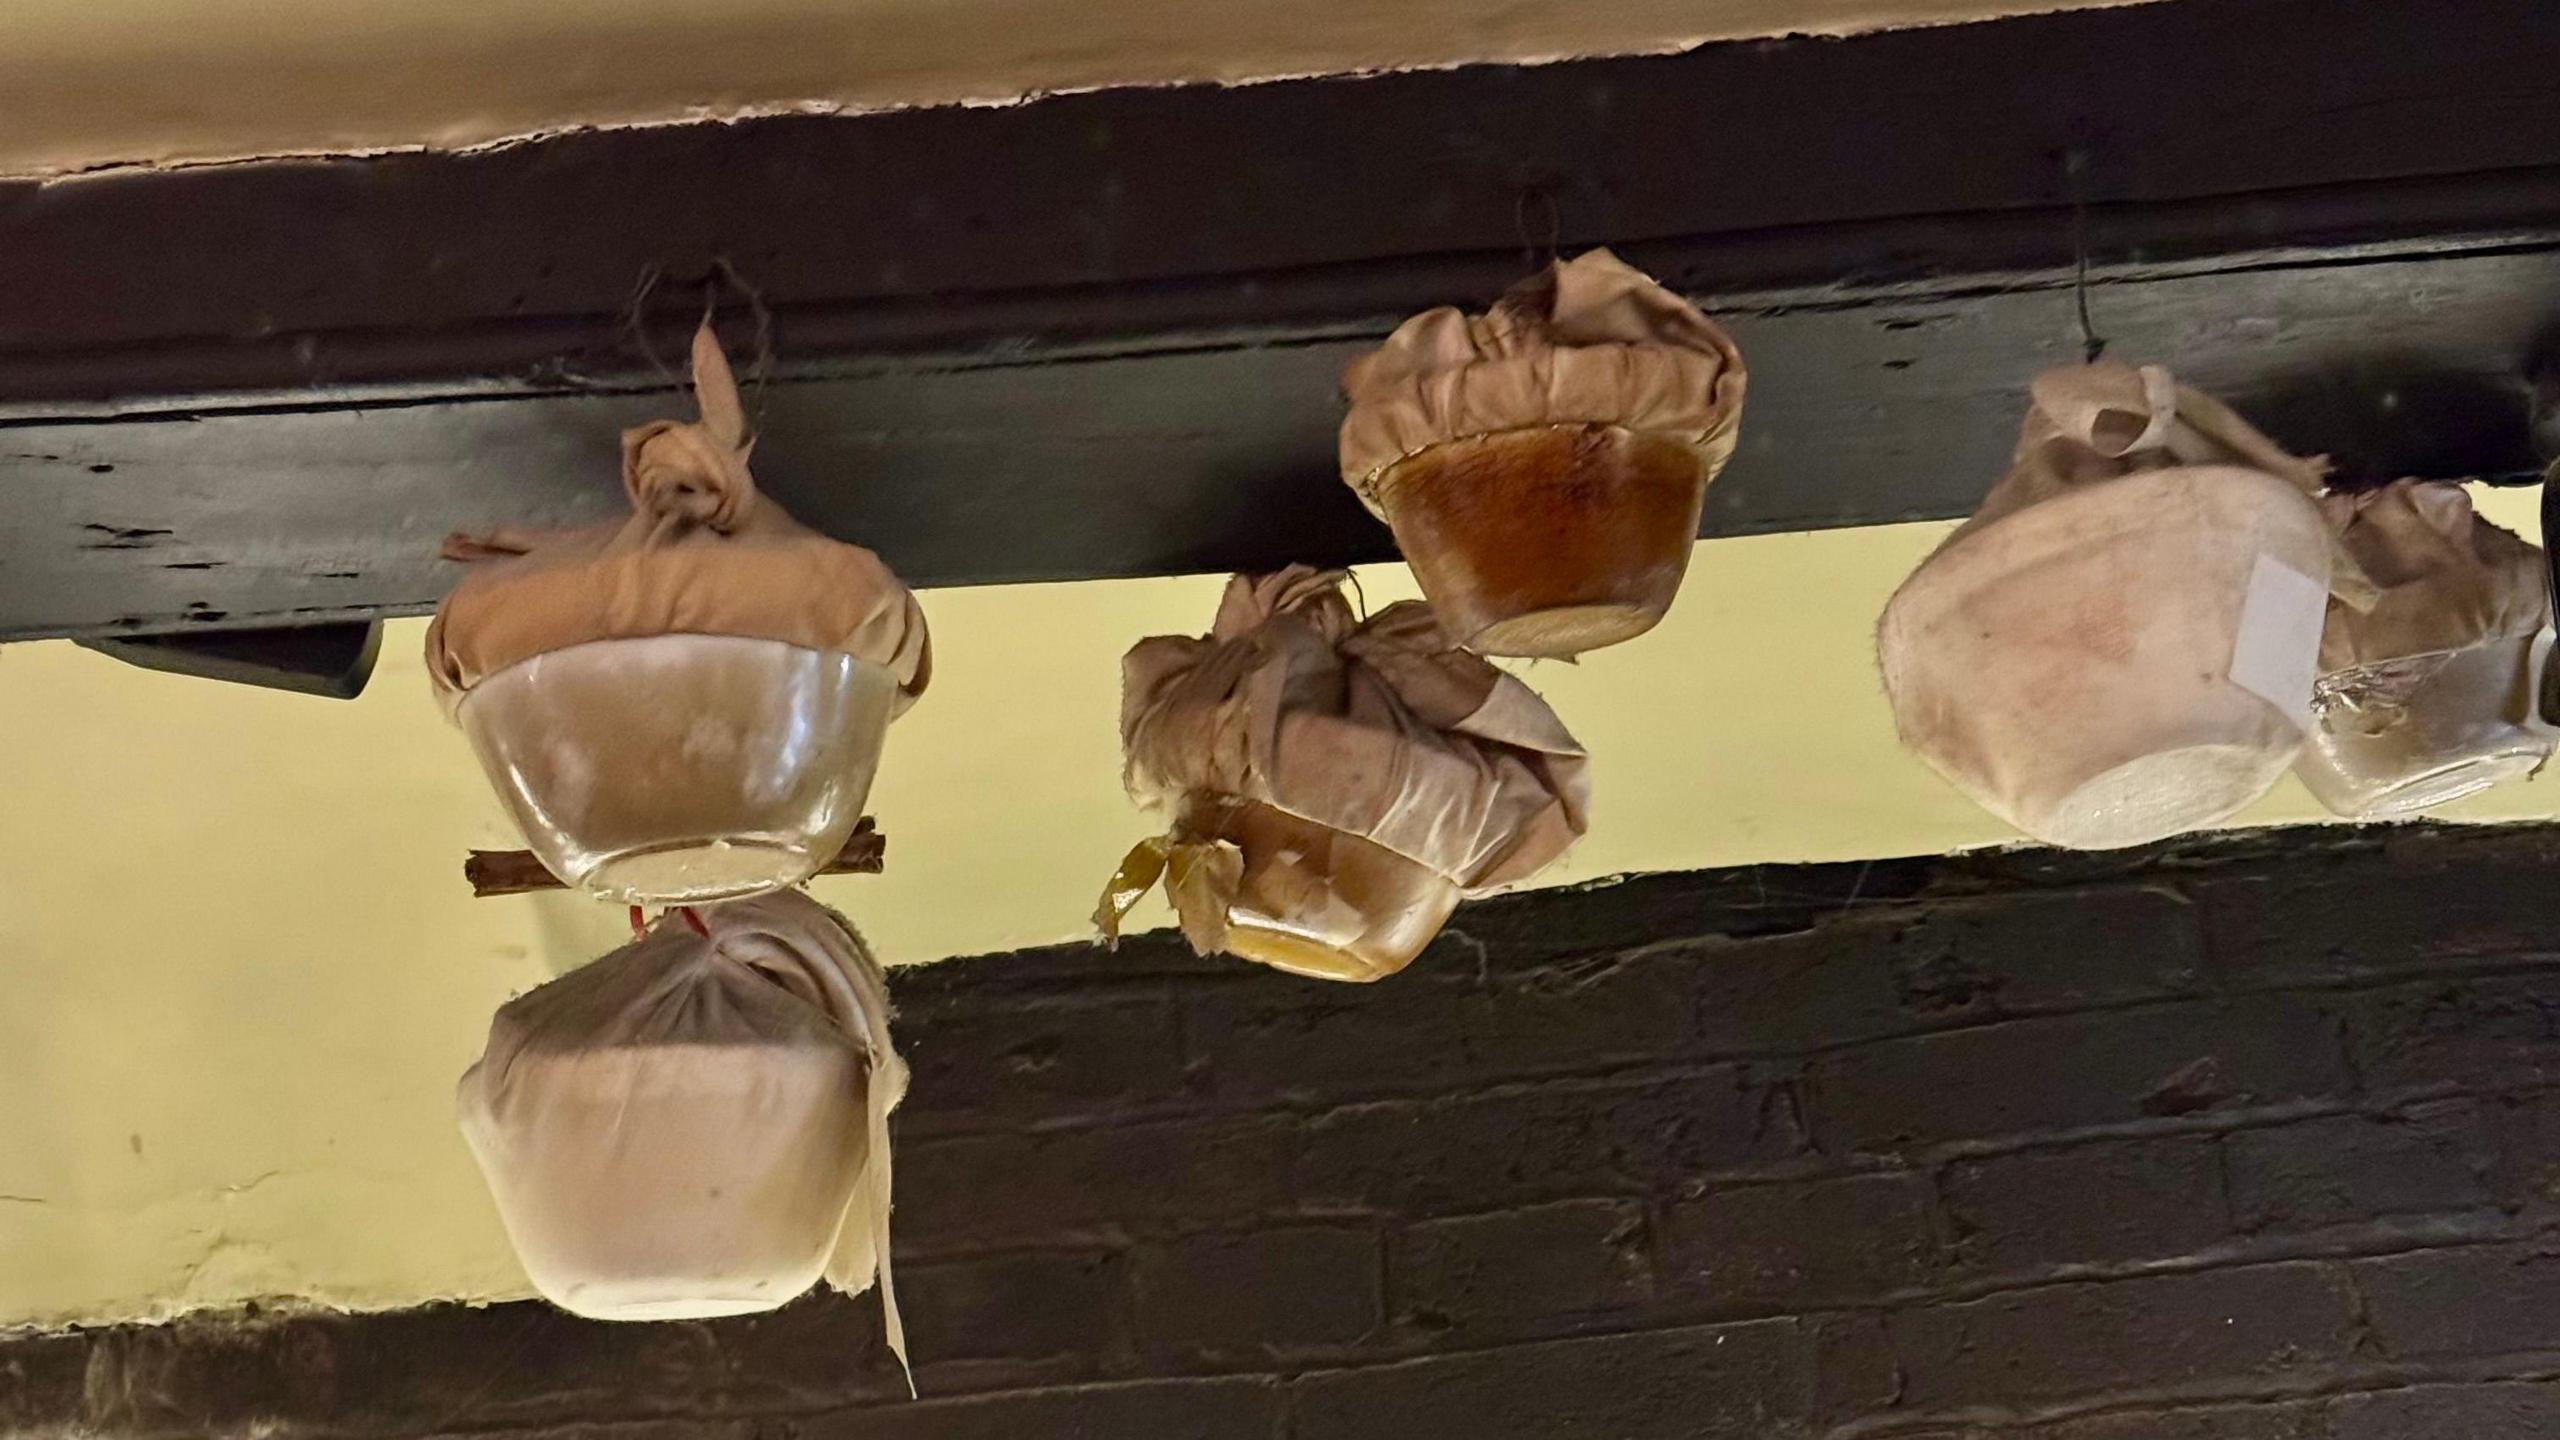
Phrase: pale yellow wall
(239, 971)
(85, 83)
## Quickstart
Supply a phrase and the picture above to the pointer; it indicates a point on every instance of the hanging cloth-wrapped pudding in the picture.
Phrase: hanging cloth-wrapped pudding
(2428, 695)
(688, 704)
(698, 1123)
(1336, 786)
(1543, 465)
(2120, 645)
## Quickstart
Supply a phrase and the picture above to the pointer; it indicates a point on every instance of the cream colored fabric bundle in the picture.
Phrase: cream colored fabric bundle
(696, 1126)
(703, 553)
(2121, 644)
(1592, 340)
(2425, 696)
(1381, 730)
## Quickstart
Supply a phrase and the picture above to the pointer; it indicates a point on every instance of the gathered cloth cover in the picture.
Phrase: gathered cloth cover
(1382, 730)
(2443, 578)
(697, 1124)
(703, 553)
(2121, 643)
(2432, 674)
(1590, 341)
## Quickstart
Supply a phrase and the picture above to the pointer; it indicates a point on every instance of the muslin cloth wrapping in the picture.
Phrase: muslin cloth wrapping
(2121, 644)
(1592, 340)
(2424, 693)
(702, 553)
(1382, 730)
(697, 1124)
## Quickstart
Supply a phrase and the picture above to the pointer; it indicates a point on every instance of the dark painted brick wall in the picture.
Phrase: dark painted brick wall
(2257, 1139)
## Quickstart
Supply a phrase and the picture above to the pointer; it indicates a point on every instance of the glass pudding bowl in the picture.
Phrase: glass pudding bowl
(674, 769)
(1319, 902)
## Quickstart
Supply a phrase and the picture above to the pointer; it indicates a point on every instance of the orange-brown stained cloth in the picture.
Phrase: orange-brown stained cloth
(2444, 579)
(697, 1124)
(1592, 340)
(702, 554)
(1384, 730)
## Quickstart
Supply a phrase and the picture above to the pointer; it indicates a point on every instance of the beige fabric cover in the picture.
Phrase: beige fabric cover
(2120, 644)
(2087, 424)
(2424, 696)
(703, 553)
(2443, 578)
(1592, 340)
(1382, 730)
(694, 1126)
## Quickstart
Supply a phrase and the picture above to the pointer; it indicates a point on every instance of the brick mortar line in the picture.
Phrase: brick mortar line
(2331, 1382)
(2379, 1238)
(1112, 1235)
(753, 1419)
(2323, 1249)
(1679, 1064)
(2314, 1250)
(2342, 1245)
(1285, 1380)
(2388, 1107)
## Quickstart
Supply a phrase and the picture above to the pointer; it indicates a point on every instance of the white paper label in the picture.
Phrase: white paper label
(2277, 654)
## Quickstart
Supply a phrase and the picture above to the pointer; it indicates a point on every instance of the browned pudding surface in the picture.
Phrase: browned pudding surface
(1548, 541)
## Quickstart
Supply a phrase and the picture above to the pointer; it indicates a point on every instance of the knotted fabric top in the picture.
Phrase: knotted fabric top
(1385, 730)
(2088, 424)
(1588, 341)
(703, 553)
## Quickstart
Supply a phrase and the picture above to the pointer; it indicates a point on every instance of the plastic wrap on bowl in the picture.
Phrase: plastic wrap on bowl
(2407, 735)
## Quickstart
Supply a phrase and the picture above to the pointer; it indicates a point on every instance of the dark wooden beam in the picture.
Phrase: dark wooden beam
(1098, 335)
(351, 267)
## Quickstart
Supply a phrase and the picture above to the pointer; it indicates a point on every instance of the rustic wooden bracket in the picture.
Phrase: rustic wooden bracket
(330, 661)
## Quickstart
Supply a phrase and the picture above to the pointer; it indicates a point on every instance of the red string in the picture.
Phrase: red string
(692, 920)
